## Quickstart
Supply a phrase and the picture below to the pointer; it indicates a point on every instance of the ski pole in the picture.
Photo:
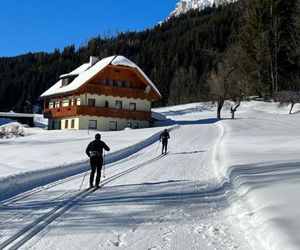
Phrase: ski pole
(104, 165)
(157, 147)
(83, 179)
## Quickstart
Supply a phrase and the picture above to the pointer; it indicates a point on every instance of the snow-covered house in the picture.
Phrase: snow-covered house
(109, 94)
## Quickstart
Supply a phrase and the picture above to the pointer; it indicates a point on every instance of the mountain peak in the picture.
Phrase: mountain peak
(185, 5)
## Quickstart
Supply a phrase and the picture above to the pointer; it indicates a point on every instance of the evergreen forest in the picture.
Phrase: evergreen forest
(252, 46)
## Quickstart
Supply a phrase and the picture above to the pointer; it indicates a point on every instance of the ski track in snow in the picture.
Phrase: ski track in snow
(198, 196)
(51, 210)
(162, 205)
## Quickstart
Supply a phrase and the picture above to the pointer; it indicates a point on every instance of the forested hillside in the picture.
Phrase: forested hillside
(180, 55)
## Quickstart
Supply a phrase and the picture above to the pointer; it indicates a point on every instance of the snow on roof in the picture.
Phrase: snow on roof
(77, 71)
(123, 61)
(85, 73)
(82, 78)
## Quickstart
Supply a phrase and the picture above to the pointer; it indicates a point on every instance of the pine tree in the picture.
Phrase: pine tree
(270, 42)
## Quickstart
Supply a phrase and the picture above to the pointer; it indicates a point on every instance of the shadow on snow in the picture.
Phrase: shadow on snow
(128, 205)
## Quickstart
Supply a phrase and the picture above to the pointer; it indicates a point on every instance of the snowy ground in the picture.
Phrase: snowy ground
(229, 184)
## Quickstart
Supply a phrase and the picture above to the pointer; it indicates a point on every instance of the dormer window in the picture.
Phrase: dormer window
(67, 79)
(64, 82)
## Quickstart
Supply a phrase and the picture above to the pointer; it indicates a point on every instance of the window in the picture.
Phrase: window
(111, 83)
(92, 102)
(53, 104)
(103, 81)
(118, 105)
(120, 84)
(136, 125)
(53, 124)
(132, 106)
(59, 125)
(113, 125)
(72, 123)
(129, 125)
(127, 84)
(66, 123)
(60, 103)
(92, 124)
(70, 102)
(64, 82)
(106, 104)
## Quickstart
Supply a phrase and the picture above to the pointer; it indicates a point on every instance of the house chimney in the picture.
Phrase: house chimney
(93, 60)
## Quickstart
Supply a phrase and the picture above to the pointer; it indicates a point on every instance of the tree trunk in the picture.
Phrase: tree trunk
(220, 106)
(232, 114)
(233, 109)
(291, 107)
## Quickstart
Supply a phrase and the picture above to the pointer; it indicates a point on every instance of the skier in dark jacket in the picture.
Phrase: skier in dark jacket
(95, 150)
(164, 137)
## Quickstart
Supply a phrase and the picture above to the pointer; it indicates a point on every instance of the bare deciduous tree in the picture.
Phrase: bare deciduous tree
(286, 98)
(237, 102)
(220, 86)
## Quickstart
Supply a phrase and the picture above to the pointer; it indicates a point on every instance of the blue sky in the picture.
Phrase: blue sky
(43, 25)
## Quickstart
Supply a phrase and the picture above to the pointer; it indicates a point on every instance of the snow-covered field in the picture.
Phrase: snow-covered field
(228, 184)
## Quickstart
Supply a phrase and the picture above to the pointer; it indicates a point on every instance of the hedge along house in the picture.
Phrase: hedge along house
(109, 94)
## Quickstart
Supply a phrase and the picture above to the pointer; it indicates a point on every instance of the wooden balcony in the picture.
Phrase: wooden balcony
(70, 111)
(117, 91)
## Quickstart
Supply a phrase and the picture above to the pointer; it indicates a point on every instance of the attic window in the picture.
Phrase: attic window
(64, 82)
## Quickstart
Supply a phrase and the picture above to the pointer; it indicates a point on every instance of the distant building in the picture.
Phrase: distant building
(110, 94)
(19, 117)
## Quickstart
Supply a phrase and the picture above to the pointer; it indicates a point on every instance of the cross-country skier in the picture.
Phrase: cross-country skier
(164, 137)
(95, 150)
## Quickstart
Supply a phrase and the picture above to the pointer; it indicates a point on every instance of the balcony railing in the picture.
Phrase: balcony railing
(117, 91)
(70, 111)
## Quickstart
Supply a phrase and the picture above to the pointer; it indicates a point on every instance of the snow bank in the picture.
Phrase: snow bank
(258, 155)
(40, 121)
(27, 180)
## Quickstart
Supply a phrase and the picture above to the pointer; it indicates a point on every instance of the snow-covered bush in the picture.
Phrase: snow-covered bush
(13, 129)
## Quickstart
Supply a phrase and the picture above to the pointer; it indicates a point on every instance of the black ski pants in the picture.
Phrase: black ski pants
(164, 146)
(96, 165)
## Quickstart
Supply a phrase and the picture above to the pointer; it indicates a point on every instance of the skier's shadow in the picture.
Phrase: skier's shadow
(188, 152)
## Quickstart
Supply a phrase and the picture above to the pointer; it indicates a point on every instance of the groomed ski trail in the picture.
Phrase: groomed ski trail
(176, 202)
